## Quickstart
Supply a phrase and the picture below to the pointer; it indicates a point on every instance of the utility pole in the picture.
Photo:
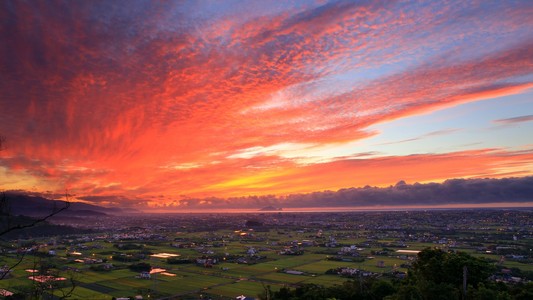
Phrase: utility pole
(465, 274)
(154, 279)
(154, 282)
(360, 282)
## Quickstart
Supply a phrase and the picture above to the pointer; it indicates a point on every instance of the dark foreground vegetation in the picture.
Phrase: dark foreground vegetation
(434, 275)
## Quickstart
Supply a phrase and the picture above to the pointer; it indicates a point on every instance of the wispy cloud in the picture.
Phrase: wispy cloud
(429, 134)
(174, 97)
(514, 120)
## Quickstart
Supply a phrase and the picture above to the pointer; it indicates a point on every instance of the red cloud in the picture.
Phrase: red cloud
(108, 99)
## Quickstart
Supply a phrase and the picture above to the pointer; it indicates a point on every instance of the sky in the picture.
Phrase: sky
(150, 104)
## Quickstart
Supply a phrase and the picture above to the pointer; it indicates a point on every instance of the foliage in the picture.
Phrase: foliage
(47, 267)
(125, 258)
(436, 274)
(140, 267)
(129, 246)
(100, 268)
(178, 261)
(365, 288)
(441, 267)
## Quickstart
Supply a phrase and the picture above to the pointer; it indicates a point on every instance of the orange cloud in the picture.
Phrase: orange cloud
(382, 171)
(136, 101)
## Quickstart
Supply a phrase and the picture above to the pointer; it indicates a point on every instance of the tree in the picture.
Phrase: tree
(6, 219)
(140, 267)
(437, 274)
(439, 267)
(381, 288)
(46, 281)
(8, 222)
(49, 280)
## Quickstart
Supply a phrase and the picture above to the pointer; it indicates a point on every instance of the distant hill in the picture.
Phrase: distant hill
(38, 230)
(35, 206)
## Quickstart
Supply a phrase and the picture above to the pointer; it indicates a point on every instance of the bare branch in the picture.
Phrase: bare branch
(5, 213)
(36, 221)
(68, 293)
(13, 266)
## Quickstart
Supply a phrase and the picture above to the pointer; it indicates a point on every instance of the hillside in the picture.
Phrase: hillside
(35, 206)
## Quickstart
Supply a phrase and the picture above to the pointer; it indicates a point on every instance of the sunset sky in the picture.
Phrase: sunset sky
(152, 103)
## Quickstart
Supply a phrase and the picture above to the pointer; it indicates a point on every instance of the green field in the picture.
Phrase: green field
(224, 280)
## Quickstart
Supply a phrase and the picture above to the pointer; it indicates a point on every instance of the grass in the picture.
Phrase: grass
(321, 267)
(84, 293)
(99, 288)
(326, 280)
(236, 280)
(247, 288)
(372, 264)
(282, 278)
(191, 284)
(521, 266)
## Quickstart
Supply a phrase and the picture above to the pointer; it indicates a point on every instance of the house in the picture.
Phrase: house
(241, 260)
(293, 272)
(5, 293)
(348, 271)
(5, 272)
(352, 251)
(293, 250)
(206, 262)
(251, 251)
(308, 243)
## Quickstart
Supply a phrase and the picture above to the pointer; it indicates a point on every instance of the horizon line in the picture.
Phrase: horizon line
(496, 205)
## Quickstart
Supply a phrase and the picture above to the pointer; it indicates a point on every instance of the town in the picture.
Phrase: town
(225, 256)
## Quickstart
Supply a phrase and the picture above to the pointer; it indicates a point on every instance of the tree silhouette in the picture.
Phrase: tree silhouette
(447, 267)
(9, 223)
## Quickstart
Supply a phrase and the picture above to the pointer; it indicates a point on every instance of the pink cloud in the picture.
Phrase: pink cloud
(100, 97)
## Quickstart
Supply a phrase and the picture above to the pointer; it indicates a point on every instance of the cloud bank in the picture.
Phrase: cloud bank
(134, 99)
(450, 193)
